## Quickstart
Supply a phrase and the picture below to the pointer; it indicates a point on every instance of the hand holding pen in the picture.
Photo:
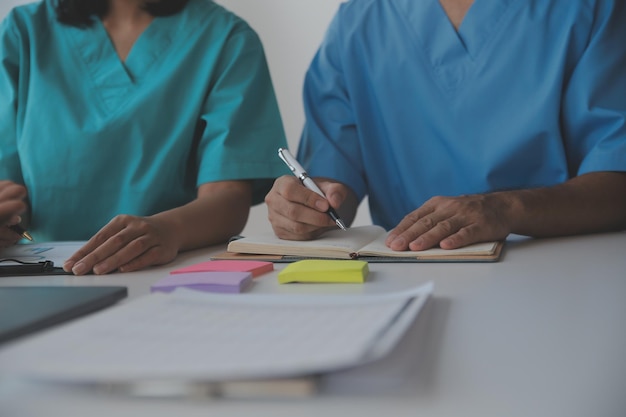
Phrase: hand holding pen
(302, 175)
(12, 203)
(21, 231)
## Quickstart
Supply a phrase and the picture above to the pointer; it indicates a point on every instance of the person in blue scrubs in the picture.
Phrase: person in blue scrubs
(145, 128)
(464, 121)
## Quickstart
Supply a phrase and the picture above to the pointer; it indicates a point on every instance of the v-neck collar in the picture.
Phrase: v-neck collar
(155, 39)
(451, 52)
(113, 78)
(481, 21)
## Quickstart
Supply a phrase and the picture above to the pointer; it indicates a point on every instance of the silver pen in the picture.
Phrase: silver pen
(304, 178)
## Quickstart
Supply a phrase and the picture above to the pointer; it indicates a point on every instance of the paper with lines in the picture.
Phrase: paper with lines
(196, 336)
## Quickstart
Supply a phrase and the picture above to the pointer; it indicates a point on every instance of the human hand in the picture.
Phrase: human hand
(297, 213)
(11, 206)
(453, 222)
(127, 243)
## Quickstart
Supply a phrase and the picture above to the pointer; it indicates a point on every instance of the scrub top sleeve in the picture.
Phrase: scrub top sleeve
(329, 146)
(594, 109)
(10, 168)
(243, 126)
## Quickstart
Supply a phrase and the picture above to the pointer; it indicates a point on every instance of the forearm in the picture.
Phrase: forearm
(219, 212)
(593, 202)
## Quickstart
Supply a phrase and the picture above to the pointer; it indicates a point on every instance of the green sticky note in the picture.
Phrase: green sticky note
(314, 270)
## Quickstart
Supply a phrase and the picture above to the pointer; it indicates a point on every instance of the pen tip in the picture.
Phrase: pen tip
(341, 225)
(27, 236)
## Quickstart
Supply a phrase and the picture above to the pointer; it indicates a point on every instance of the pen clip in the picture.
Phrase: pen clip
(292, 164)
(281, 155)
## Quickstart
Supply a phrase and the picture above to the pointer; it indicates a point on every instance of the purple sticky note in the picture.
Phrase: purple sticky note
(222, 282)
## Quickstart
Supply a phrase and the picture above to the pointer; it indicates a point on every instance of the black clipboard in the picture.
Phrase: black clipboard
(18, 268)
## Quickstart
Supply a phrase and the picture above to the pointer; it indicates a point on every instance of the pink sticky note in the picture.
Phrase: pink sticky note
(255, 267)
(223, 282)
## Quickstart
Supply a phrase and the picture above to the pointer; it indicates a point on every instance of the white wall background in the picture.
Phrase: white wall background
(291, 31)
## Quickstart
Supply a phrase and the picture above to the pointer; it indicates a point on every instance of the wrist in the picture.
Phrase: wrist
(511, 208)
(171, 227)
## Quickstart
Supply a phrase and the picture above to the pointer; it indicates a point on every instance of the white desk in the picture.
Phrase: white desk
(541, 333)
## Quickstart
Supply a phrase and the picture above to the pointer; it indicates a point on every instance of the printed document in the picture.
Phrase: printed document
(194, 336)
(57, 252)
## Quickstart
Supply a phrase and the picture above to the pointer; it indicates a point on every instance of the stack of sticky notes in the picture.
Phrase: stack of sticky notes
(214, 276)
(256, 268)
(329, 271)
(224, 282)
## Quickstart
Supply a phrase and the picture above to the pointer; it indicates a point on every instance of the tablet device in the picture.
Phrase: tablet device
(24, 310)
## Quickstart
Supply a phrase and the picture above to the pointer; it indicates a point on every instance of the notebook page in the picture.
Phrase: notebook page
(334, 243)
(378, 247)
(206, 337)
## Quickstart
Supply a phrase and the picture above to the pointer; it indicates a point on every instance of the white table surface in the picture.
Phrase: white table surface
(540, 333)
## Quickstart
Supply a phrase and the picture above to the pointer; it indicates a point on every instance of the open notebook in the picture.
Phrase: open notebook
(363, 242)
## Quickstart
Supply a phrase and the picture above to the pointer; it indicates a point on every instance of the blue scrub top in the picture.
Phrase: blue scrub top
(401, 107)
(92, 136)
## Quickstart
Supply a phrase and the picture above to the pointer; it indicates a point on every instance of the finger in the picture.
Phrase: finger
(9, 190)
(289, 229)
(124, 255)
(425, 233)
(465, 236)
(10, 210)
(434, 235)
(11, 220)
(473, 233)
(16, 219)
(89, 259)
(411, 227)
(115, 226)
(335, 192)
(313, 234)
(292, 190)
(396, 237)
(295, 217)
(153, 256)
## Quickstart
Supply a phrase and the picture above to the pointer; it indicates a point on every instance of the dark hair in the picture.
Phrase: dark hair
(81, 13)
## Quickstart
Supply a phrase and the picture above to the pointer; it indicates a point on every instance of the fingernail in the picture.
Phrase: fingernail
(67, 266)
(446, 243)
(79, 269)
(320, 205)
(399, 242)
(417, 244)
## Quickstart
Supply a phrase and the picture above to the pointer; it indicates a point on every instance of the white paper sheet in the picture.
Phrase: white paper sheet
(196, 336)
(57, 252)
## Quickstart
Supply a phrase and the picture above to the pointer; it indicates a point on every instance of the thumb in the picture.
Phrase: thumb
(335, 194)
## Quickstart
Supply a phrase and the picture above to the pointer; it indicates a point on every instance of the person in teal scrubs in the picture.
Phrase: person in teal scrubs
(464, 121)
(145, 127)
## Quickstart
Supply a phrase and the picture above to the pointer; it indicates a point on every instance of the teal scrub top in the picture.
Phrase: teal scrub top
(528, 93)
(92, 137)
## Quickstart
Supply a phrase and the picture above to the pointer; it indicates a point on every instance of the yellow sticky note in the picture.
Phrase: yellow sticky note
(314, 270)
